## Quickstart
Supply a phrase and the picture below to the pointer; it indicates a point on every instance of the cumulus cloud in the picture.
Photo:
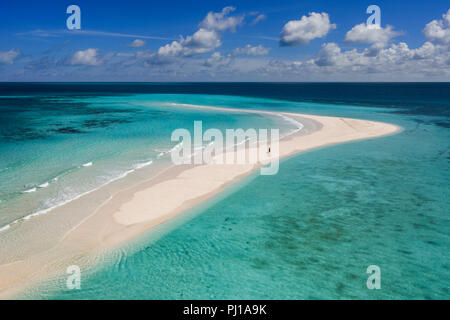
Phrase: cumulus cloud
(250, 50)
(439, 30)
(206, 39)
(300, 32)
(218, 61)
(396, 59)
(426, 51)
(397, 62)
(362, 33)
(221, 21)
(88, 57)
(171, 49)
(330, 55)
(138, 43)
(8, 57)
(150, 58)
(200, 42)
(382, 60)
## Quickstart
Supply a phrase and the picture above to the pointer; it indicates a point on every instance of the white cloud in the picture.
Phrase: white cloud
(251, 51)
(380, 61)
(138, 43)
(220, 21)
(398, 62)
(173, 49)
(8, 57)
(88, 57)
(374, 49)
(150, 58)
(426, 51)
(206, 39)
(218, 61)
(439, 30)
(329, 55)
(259, 18)
(362, 33)
(398, 59)
(300, 32)
(200, 42)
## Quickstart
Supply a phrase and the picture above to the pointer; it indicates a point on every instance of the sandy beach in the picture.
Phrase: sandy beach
(117, 213)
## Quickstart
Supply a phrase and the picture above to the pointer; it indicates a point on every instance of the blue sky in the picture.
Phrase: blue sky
(242, 41)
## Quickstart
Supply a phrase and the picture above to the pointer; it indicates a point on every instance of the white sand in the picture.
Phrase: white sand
(163, 198)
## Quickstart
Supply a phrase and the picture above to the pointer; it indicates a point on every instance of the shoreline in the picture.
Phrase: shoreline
(124, 215)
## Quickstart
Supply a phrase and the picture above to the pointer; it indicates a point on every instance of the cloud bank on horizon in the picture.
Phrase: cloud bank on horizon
(361, 54)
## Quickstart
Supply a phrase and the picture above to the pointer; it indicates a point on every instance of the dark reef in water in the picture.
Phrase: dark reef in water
(67, 130)
(39, 117)
(103, 123)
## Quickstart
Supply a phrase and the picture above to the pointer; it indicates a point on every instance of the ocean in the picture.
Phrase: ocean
(309, 232)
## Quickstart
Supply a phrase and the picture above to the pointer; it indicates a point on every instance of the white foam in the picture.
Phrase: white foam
(47, 210)
(176, 147)
(89, 164)
(298, 124)
(44, 185)
(161, 152)
(144, 164)
(29, 190)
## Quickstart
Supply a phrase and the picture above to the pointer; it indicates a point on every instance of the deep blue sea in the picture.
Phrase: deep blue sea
(309, 232)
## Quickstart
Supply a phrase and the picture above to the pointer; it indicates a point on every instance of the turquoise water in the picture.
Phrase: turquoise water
(55, 149)
(309, 232)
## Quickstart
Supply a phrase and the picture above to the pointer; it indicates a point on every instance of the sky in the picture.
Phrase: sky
(264, 40)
